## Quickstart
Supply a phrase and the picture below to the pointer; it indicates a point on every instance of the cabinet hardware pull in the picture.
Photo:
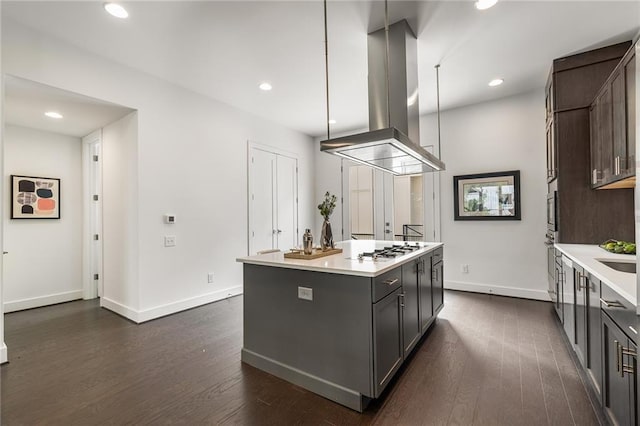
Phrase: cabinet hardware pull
(611, 304)
(391, 282)
(628, 351)
(633, 329)
(594, 176)
(627, 369)
(618, 355)
(401, 295)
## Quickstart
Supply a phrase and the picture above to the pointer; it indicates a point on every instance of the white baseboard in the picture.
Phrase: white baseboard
(36, 302)
(169, 308)
(182, 305)
(3, 354)
(523, 293)
(119, 309)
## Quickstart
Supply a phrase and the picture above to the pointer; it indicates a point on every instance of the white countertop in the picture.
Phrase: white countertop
(345, 263)
(587, 256)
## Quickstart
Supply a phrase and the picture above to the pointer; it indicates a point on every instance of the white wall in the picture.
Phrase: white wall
(504, 257)
(191, 161)
(121, 287)
(44, 260)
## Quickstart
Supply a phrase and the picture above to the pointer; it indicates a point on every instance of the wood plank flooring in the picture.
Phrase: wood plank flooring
(488, 360)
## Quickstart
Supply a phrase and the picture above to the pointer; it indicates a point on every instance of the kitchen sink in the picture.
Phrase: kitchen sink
(620, 266)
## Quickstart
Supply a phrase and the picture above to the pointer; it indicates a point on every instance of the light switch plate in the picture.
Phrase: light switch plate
(169, 240)
(305, 293)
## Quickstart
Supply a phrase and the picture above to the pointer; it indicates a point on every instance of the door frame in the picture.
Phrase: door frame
(91, 288)
(251, 145)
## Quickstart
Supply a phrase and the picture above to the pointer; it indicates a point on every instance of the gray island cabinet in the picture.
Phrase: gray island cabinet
(339, 326)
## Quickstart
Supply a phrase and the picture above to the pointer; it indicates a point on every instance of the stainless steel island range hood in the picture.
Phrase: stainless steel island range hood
(392, 143)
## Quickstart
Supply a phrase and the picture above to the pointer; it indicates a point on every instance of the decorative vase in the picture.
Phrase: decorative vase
(326, 238)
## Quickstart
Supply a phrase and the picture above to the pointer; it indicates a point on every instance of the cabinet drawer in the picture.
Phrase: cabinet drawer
(621, 311)
(436, 256)
(386, 283)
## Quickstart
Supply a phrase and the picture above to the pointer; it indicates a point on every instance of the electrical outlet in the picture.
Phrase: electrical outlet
(305, 293)
(169, 240)
(465, 269)
(210, 277)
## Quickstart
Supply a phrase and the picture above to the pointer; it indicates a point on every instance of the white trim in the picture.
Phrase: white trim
(169, 308)
(36, 302)
(3, 354)
(523, 293)
(89, 285)
(120, 309)
(184, 304)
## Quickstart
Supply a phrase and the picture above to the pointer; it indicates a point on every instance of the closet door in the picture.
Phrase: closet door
(262, 234)
(273, 201)
(286, 203)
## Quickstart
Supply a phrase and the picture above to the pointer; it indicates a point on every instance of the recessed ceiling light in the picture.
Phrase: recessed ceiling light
(485, 4)
(332, 121)
(116, 10)
(265, 86)
(53, 114)
(496, 82)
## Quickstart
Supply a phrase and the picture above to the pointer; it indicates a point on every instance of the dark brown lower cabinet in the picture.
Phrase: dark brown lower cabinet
(620, 374)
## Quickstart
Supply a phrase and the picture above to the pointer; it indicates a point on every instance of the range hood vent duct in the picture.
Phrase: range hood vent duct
(392, 143)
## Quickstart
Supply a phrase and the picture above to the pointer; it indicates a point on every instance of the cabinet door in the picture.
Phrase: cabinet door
(605, 126)
(387, 340)
(568, 300)
(616, 387)
(424, 281)
(595, 144)
(594, 356)
(410, 302)
(558, 301)
(619, 123)
(551, 152)
(437, 286)
(630, 72)
(581, 315)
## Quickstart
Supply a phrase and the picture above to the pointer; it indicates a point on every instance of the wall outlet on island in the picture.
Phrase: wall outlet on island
(169, 240)
(465, 268)
(210, 277)
(305, 293)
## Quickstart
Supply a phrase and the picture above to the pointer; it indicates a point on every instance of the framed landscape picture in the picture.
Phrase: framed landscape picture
(487, 196)
(35, 197)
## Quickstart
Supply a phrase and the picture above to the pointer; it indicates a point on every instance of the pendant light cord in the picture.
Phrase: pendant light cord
(437, 67)
(326, 66)
(386, 59)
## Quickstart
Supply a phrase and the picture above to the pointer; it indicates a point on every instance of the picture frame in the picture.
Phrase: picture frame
(35, 197)
(487, 196)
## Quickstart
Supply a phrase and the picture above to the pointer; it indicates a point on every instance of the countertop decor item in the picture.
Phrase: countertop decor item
(326, 209)
(307, 242)
(315, 253)
(619, 247)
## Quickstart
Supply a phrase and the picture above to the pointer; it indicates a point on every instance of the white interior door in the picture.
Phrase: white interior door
(92, 235)
(286, 202)
(261, 206)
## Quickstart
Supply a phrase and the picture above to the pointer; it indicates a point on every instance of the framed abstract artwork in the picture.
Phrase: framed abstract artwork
(487, 196)
(35, 197)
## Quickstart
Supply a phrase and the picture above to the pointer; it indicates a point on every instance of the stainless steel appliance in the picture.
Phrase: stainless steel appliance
(389, 252)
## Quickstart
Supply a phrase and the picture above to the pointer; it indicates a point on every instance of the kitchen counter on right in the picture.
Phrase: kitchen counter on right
(590, 257)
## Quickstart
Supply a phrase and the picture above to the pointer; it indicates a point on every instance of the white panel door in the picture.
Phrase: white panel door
(262, 230)
(286, 203)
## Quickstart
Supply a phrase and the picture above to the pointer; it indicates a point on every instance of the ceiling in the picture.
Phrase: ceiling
(225, 49)
(26, 102)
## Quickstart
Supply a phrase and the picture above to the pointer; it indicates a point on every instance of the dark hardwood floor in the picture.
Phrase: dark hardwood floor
(489, 360)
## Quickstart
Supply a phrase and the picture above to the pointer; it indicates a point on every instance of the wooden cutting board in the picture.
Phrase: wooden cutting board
(316, 254)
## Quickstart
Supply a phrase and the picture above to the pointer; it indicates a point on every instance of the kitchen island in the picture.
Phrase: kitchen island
(340, 326)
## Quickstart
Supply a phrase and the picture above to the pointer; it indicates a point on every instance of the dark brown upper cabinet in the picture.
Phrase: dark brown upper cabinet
(612, 128)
